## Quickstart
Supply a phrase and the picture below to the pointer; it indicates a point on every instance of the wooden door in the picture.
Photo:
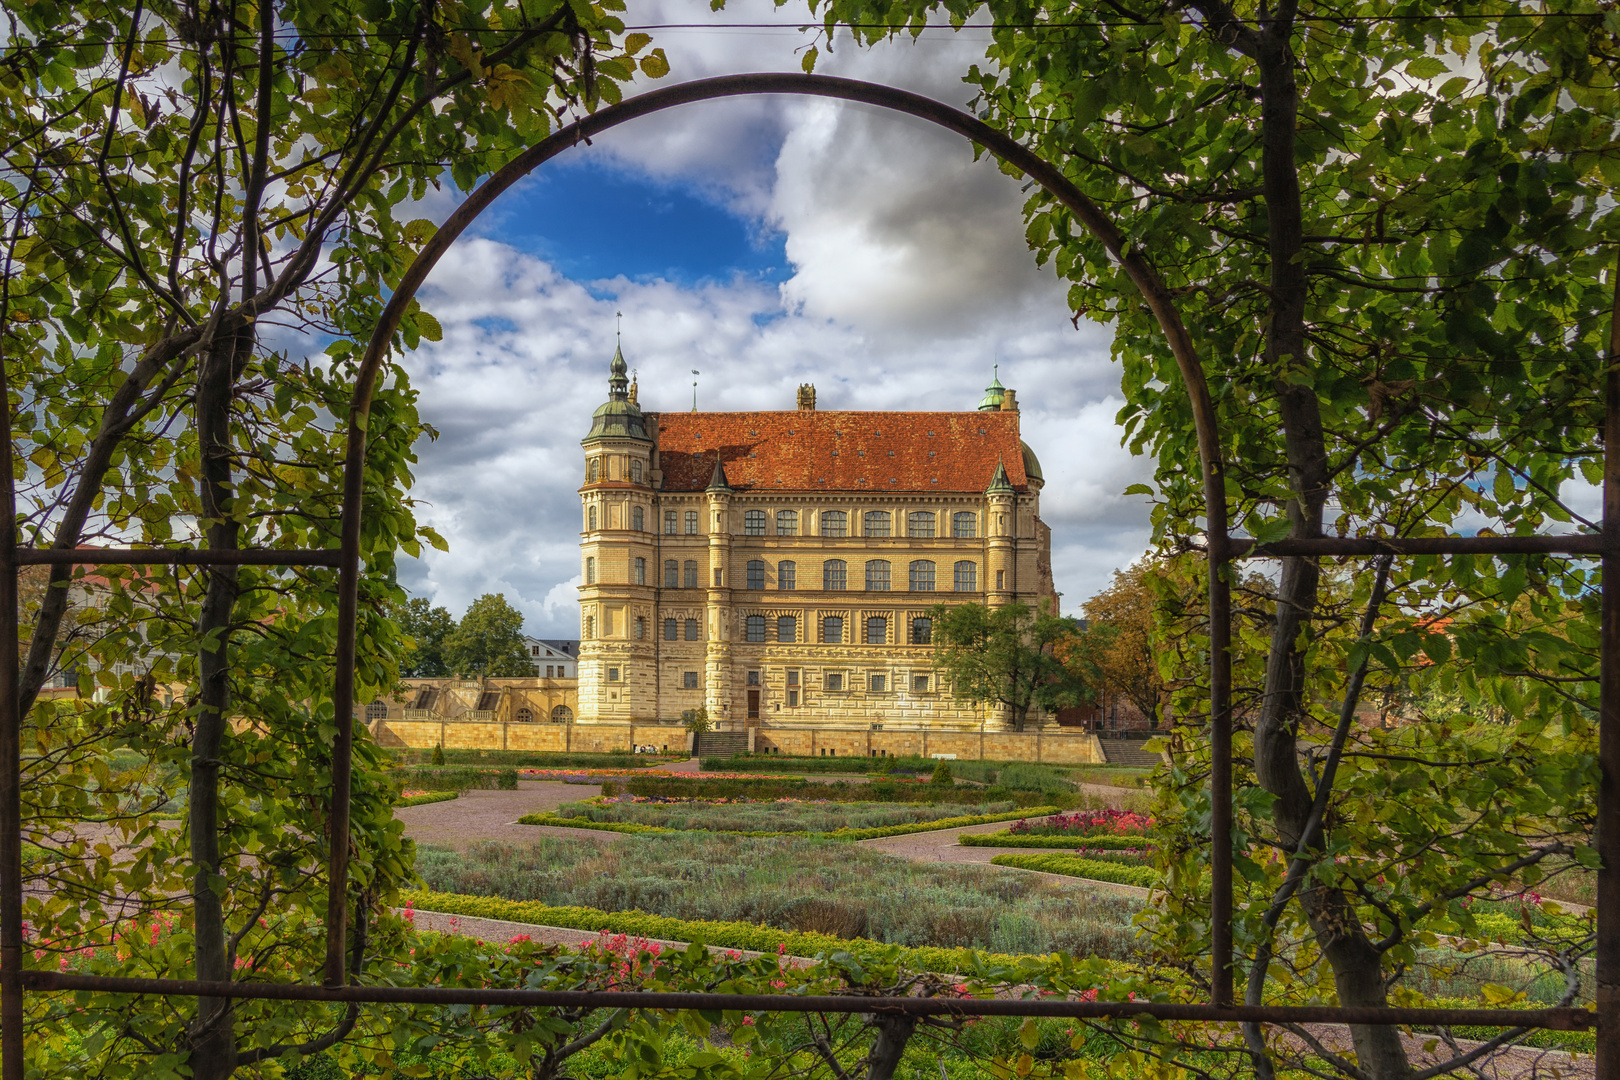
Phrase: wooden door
(753, 704)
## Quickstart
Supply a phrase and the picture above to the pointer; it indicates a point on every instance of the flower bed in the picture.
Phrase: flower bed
(1008, 838)
(802, 813)
(1076, 866)
(1087, 823)
(836, 834)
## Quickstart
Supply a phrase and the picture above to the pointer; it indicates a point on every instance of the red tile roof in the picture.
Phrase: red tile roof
(840, 451)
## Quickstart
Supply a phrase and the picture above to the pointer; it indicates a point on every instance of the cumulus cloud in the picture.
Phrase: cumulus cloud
(908, 279)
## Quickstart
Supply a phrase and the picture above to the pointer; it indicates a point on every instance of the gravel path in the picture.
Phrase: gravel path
(492, 815)
(940, 846)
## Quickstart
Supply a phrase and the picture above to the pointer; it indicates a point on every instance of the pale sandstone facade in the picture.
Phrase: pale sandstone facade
(714, 545)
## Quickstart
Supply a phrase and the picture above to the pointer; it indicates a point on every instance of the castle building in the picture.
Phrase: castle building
(780, 566)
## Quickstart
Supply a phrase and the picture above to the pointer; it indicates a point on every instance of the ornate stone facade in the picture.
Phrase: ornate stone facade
(779, 566)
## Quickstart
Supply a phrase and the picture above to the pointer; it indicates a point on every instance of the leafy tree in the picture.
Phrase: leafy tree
(184, 187)
(1377, 236)
(1117, 650)
(429, 627)
(488, 640)
(1004, 656)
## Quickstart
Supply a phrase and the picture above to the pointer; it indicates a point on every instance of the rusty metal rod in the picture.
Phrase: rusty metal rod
(1607, 946)
(178, 557)
(1555, 1019)
(11, 887)
(1568, 544)
(1220, 768)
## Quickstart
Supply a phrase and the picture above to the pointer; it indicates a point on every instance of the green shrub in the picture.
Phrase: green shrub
(507, 780)
(1075, 866)
(537, 759)
(438, 753)
(1008, 839)
(836, 834)
(424, 800)
(942, 775)
(786, 816)
(456, 778)
(887, 790)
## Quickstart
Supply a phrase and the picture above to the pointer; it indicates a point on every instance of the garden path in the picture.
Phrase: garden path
(940, 846)
(492, 815)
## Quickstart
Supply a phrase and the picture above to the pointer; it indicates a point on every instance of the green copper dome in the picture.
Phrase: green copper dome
(994, 394)
(618, 417)
(1032, 464)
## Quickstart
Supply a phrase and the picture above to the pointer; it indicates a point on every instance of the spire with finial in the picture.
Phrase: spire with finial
(618, 384)
(994, 393)
(1000, 483)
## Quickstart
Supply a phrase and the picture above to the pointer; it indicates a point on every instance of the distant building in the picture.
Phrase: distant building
(781, 565)
(553, 659)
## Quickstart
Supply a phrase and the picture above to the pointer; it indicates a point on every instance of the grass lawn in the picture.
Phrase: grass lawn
(776, 816)
(794, 883)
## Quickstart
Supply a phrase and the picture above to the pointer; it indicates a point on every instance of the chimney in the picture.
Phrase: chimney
(807, 397)
(1009, 401)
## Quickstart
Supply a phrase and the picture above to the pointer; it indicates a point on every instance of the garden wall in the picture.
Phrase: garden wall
(1059, 747)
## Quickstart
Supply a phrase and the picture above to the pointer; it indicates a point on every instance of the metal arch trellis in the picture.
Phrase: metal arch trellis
(1222, 549)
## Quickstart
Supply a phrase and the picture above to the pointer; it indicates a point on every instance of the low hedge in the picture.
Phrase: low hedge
(836, 834)
(1075, 866)
(1575, 1042)
(428, 797)
(722, 935)
(456, 778)
(1101, 843)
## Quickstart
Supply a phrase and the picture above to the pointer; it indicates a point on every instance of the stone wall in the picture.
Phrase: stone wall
(1058, 747)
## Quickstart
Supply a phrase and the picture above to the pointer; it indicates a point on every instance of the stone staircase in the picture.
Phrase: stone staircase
(1130, 752)
(720, 744)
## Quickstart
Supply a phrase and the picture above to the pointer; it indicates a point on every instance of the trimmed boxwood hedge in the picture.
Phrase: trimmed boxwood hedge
(836, 834)
(1102, 843)
(428, 797)
(714, 933)
(1075, 866)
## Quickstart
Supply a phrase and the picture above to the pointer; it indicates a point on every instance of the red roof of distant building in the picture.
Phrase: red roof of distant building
(840, 451)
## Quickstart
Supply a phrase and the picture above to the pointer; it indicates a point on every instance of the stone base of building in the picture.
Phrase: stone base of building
(1054, 746)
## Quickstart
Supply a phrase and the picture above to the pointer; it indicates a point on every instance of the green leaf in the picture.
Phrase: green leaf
(1426, 67)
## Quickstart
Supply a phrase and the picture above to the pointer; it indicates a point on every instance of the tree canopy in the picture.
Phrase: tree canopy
(488, 640)
(428, 627)
(1005, 656)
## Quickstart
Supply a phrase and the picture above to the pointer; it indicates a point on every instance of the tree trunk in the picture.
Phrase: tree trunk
(213, 1036)
(1357, 967)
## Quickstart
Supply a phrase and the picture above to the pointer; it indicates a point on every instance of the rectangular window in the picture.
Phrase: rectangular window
(793, 677)
(691, 629)
(919, 684)
(672, 574)
(1001, 580)
(590, 570)
(964, 526)
(787, 628)
(613, 674)
(756, 573)
(691, 523)
(922, 576)
(669, 523)
(877, 575)
(717, 578)
(967, 577)
(691, 574)
(754, 628)
(835, 681)
(753, 678)
(792, 698)
(835, 523)
(689, 680)
(786, 576)
(879, 684)
(754, 523)
(875, 523)
(832, 630)
(834, 575)
(922, 631)
(641, 571)
(877, 630)
(548, 670)
(787, 523)
(641, 628)
(672, 630)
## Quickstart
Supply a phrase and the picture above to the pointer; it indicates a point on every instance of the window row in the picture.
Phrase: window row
(874, 630)
(920, 524)
(596, 469)
(833, 681)
(638, 519)
(835, 575)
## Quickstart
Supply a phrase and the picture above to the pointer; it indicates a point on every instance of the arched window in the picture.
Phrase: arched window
(562, 714)
(877, 630)
(593, 471)
(590, 519)
(832, 630)
(638, 520)
(967, 577)
(834, 575)
(922, 576)
(524, 716)
(877, 575)
(754, 628)
(787, 523)
(922, 632)
(875, 523)
(786, 576)
(787, 628)
(641, 571)
(672, 574)
(920, 524)
(965, 525)
(756, 573)
(691, 574)
(834, 523)
(377, 710)
(671, 630)
(635, 473)
(753, 523)
(590, 570)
